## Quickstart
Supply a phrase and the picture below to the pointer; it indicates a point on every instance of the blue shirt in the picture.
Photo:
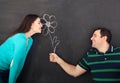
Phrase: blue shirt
(13, 53)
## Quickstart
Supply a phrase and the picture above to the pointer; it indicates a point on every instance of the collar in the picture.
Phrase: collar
(110, 49)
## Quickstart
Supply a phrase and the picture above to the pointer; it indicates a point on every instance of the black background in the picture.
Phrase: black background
(76, 19)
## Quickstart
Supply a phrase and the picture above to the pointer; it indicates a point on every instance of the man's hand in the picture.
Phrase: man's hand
(53, 57)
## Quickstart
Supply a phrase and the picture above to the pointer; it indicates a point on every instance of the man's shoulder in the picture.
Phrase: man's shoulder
(116, 49)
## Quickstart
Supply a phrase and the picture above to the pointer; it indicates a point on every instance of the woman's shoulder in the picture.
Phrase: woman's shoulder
(18, 37)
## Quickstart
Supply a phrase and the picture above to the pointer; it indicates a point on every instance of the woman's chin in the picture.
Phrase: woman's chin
(39, 31)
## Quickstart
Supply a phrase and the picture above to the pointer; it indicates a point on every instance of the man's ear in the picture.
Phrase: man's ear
(105, 38)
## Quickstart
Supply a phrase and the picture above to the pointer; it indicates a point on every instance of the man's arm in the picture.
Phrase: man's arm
(68, 68)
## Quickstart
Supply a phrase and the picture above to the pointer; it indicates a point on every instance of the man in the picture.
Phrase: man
(102, 60)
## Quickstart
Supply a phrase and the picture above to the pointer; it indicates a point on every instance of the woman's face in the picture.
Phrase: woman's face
(37, 26)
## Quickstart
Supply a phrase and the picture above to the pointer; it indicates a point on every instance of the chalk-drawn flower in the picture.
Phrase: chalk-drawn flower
(49, 24)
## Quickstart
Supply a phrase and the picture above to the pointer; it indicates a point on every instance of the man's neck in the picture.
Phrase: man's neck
(104, 48)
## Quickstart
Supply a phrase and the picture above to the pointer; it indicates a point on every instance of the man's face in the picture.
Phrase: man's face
(96, 39)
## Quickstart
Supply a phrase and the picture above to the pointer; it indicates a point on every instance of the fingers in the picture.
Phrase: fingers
(52, 54)
(52, 57)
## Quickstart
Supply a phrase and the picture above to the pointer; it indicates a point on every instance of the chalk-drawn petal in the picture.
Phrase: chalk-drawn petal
(46, 17)
(52, 18)
(54, 24)
(51, 29)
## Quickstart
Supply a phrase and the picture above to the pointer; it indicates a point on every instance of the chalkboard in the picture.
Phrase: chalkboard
(75, 21)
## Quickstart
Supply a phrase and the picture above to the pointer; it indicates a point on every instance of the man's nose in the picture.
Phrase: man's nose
(91, 38)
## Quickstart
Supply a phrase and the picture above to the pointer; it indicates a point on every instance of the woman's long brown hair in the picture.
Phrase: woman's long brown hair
(24, 26)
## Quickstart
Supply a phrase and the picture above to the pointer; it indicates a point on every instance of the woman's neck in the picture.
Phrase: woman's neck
(29, 34)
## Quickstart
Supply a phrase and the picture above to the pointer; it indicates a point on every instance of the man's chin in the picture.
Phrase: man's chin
(93, 46)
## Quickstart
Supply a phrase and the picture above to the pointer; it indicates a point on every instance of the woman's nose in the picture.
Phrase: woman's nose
(41, 25)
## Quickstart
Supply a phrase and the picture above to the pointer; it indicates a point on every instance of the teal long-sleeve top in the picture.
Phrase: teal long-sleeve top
(13, 54)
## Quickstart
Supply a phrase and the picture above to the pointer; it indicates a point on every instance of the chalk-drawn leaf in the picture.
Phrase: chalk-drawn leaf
(56, 44)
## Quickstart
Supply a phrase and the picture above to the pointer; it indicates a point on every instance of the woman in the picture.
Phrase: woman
(14, 49)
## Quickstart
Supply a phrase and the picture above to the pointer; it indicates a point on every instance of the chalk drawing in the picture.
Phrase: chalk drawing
(50, 24)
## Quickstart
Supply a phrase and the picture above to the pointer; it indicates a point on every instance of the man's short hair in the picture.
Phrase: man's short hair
(105, 32)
